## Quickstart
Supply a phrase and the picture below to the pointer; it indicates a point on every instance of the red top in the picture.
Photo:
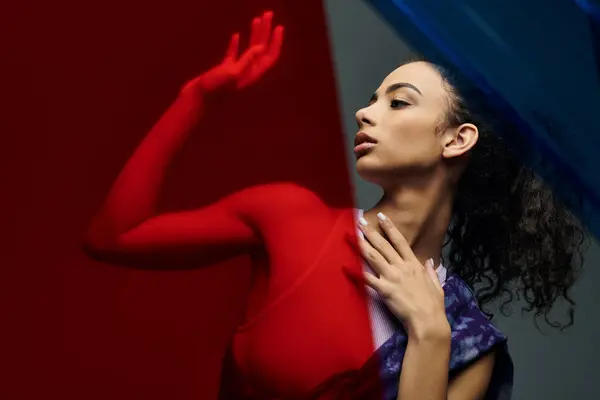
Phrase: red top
(309, 333)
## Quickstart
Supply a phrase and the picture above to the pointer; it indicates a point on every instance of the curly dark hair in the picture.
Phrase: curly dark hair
(510, 235)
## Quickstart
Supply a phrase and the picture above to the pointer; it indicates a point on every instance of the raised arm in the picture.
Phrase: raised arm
(127, 229)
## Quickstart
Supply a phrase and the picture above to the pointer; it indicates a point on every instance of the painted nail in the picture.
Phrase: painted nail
(362, 221)
(381, 217)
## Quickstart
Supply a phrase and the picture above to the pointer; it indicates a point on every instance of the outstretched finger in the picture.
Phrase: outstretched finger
(265, 28)
(374, 258)
(397, 239)
(379, 243)
(234, 46)
(255, 31)
(274, 50)
(372, 281)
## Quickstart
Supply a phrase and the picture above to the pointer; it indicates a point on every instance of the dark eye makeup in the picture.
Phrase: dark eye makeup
(397, 103)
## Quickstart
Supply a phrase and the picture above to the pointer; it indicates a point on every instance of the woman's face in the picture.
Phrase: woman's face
(398, 129)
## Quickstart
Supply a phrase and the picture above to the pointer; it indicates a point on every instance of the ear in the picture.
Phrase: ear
(458, 141)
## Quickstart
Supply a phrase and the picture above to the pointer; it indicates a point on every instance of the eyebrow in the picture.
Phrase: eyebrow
(396, 86)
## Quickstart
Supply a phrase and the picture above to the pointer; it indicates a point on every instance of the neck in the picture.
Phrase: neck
(421, 212)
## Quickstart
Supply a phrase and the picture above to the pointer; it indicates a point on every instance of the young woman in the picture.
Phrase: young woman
(312, 331)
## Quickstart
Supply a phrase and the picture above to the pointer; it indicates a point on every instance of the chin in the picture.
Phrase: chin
(373, 170)
(367, 170)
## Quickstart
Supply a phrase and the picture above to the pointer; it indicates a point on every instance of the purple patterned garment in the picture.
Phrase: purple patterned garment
(473, 335)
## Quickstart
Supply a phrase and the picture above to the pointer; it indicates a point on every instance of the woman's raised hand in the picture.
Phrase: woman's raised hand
(244, 69)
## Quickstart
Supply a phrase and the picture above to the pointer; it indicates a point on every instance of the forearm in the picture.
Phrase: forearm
(425, 366)
(134, 195)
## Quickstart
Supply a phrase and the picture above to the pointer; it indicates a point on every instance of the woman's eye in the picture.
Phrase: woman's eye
(398, 103)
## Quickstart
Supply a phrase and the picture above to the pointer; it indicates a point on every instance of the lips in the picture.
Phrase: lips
(362, 137)
(363, 143)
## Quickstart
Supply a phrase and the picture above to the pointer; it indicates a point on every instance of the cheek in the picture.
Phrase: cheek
(415, 137)
(418, 151)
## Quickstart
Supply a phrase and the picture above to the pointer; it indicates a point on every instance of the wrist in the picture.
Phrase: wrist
(191, 91)
(200, 93)
(431, 329)
(193, 98)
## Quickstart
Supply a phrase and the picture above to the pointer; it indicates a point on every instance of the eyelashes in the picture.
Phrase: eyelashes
(395, 103)
(398, 103)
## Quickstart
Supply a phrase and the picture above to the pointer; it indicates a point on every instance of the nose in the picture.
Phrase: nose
(363, 118)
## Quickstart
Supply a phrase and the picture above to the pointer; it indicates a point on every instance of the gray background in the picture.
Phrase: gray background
(551, 365)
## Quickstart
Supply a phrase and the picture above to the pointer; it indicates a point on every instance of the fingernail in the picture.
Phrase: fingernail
(430, 262)
(362, 221)
(381, 217)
